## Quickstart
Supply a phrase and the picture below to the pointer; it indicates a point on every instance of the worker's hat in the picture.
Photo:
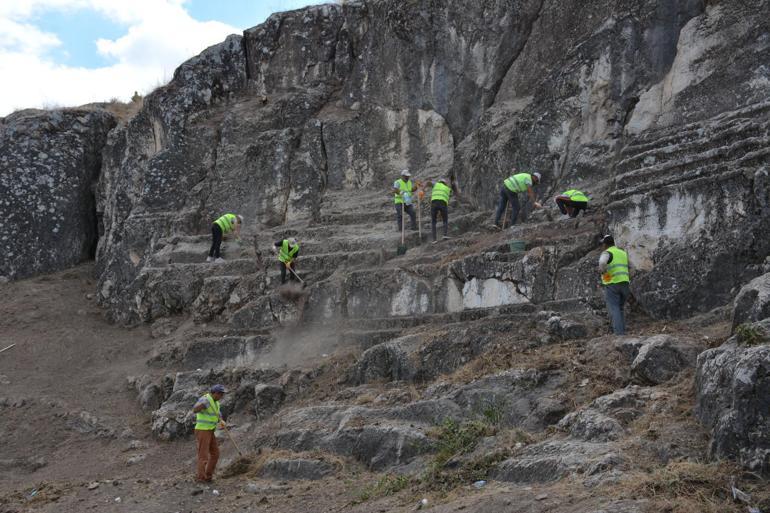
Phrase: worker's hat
(537, 175)
(218, 388)
(405, 172)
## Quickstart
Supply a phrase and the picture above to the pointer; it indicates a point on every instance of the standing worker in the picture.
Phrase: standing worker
(287, 250)
(512, 186)
(207, 418)
(571, 202)
(402, 196)
(439, 203)
(613, 264)
(219, 228)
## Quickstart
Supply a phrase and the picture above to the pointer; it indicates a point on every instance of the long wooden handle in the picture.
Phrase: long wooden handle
(403, 219)
(419, 218)
(232, 439)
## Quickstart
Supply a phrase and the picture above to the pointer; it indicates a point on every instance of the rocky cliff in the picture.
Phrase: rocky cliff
(49, 165)
(658, 110)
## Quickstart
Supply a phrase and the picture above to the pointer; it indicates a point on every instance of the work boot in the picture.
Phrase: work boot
(445, 237)
(434, 242)
(219, 260)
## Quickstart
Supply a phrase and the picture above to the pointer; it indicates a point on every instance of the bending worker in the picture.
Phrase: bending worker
(512, 186)
(219, 228)
(613, 264)
(571, 202)
(207, 418)
(287, 250)
(402, 196)
(439, 204)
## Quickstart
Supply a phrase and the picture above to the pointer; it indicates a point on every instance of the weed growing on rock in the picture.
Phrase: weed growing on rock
(388, 484)
(749, 335)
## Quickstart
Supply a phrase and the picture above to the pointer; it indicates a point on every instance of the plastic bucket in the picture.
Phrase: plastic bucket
(517, 246)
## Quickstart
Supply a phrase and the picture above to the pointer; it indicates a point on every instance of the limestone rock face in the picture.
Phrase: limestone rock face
(753, 301)
(49, 164)
(732, 399)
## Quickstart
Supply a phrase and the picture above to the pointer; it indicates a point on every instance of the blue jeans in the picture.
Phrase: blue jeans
(399, 215)
(506, 196)
(616, 295)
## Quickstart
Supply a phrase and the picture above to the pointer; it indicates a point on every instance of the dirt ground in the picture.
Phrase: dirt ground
(69, 364)
(75, 440)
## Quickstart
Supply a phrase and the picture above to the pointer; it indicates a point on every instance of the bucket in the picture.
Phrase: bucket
(517, 246)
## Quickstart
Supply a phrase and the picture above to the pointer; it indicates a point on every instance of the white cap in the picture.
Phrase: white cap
(442, 179)
(405, 172)
(536, 175)
(240, 218)
(293, 241)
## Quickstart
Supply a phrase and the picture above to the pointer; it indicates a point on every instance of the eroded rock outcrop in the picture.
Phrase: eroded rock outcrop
(49, 164)
(733, 399)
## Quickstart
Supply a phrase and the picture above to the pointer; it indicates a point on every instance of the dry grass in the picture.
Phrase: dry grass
(252, 464)
(684, 487)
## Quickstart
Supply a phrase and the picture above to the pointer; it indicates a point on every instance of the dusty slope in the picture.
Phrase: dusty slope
(68, 360)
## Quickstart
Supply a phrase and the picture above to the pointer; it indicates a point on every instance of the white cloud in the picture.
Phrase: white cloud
(159, 36)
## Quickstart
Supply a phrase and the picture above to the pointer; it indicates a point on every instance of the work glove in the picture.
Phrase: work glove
(538, 204)
(221, 424)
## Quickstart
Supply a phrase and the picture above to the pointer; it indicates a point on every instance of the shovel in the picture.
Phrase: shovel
(296, 275)
(227, 431)
(419, 218)
(505, 216)
(402, 247)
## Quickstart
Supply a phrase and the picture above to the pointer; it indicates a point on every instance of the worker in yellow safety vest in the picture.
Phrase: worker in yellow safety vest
(439, 204)
(403, 190)
(207, 418)
(509, 193)
(571, 202)
(288, 250)
(228, 223)
(613, 265)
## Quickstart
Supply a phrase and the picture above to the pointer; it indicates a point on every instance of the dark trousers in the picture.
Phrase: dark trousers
(410, 211)
(616, 295)
(284, 271)
(572, 208)
(507, 196)
(216, 240)
(436, 207)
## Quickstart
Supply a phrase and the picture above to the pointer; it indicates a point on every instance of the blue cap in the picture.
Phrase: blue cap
(218, 388)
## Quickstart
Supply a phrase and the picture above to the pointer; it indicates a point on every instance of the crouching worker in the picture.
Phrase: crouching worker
(571, 202)
(207, 418)
(509, 193)
(287, 250)
(219, 228)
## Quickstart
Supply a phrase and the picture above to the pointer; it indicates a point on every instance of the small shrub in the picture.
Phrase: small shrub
(493, 412)
(388, 484)
(749, 335)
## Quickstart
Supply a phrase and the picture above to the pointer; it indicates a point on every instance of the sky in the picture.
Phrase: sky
(63, 53)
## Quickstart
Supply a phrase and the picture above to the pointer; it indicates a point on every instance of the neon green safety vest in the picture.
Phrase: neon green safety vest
(403, 187)
(286, 255)
(441, 192)
(519, 182)
(576, 195)
(227, 222)
(617, 269)
(206, 420)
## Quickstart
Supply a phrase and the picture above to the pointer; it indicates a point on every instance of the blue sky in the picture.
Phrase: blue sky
(71, 52)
